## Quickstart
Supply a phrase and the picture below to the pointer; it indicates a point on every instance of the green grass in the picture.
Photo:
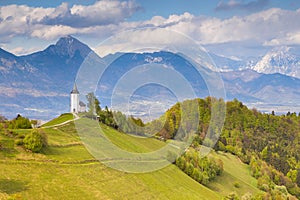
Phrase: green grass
(132, 143)
(62, 173)
(73, 153)
(7, 149)
(66, 170)
(234, 172)
(62, 118)
(95, 181)
(56, 136)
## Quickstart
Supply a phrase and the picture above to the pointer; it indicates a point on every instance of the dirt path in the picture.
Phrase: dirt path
(76, 117)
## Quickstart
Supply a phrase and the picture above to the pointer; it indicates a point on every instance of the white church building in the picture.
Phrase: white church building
(76, 106)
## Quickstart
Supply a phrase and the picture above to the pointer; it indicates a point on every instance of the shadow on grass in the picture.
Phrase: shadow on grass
(9, 186)
(7, 148)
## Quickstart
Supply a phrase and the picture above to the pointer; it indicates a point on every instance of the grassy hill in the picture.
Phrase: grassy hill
(66, 170)
(61, 119)
(236, 176)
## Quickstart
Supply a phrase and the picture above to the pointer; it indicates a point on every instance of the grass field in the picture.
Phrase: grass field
(66, 170)
(236, 176)
(62, 118)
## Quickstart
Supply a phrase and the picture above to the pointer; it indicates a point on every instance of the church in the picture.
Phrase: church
(76, 106)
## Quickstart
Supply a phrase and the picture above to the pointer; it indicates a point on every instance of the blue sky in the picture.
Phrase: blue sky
(169, 7)
(238, 27)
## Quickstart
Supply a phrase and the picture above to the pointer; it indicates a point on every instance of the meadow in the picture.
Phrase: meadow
(66, 170)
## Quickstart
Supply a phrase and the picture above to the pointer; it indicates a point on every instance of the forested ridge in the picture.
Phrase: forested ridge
(268, 142)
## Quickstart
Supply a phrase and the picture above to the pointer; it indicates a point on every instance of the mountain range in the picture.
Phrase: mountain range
(282, 60)
(38, 85)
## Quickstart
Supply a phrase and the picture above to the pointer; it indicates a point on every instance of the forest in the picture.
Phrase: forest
(269, 143)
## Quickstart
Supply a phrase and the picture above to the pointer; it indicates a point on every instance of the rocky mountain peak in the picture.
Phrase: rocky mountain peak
(68, 46)
(279, 60)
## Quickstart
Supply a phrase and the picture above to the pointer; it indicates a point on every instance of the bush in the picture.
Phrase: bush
(236, 184)
(231, 196)
(19, 142)
(247, 196)
(21, 136)
(20, 123)
(35, 141)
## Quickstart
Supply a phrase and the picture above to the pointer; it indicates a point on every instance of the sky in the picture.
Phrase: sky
(233, 28)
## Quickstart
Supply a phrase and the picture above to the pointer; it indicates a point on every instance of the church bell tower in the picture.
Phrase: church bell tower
(74, 104)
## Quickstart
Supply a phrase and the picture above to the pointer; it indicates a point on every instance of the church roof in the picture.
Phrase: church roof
(81, 104)
(75, 90)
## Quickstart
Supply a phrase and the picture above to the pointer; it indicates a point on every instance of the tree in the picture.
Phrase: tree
(197, 176)
(265, 154)
(20, 123)
(231, 196)
(93, 104)
(205, 178)
(247, 196)
(292, 174)
(35, 141)
(298, 177)
(181, 163)
(189, 169)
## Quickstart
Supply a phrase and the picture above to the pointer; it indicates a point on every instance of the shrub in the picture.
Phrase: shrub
(35, 141)
(236, 184)
(19, 142)
(231, 196)
(21, 136)
(20, 123)
(247, 196)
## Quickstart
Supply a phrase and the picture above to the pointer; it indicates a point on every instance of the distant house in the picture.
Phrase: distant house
(82, 107)
(76, 106)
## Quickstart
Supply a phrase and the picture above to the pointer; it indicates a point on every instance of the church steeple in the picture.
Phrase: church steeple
(75, 90)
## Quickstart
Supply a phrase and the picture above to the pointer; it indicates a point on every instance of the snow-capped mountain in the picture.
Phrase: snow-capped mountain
(38, 85)
(283, 60)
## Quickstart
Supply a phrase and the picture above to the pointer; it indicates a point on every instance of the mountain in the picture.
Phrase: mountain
(227, 64)
(282, 60)
(38, 85)
(264, 91)
(60, 61)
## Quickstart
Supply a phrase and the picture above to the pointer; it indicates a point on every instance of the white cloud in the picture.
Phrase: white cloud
(108, 17)
(105, 11)
(22, 50)
(13, 92)
(50, 32)
(257, 27)
(269, 27)
(288, 39)
(22, 20)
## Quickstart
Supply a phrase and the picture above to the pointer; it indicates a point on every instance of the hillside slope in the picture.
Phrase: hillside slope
(65, 170)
